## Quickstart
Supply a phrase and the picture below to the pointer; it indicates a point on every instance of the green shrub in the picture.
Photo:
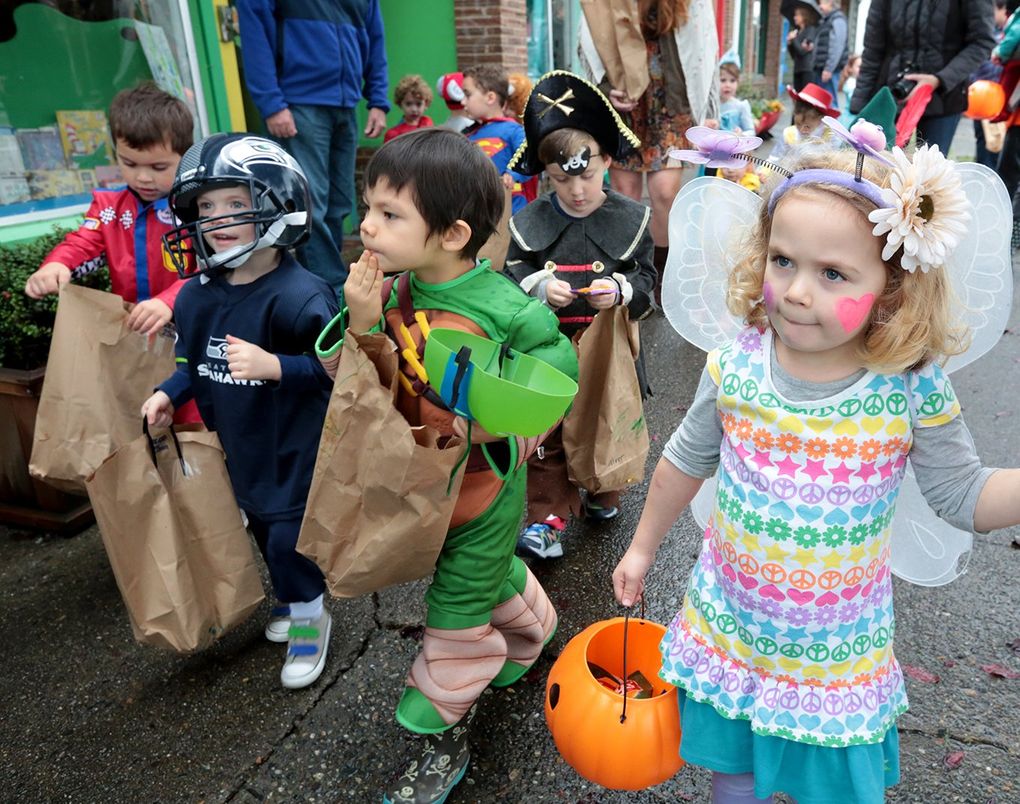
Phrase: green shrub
(27, 324)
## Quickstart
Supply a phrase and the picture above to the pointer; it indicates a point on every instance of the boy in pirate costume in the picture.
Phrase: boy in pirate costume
(433, 199)
(580, 249)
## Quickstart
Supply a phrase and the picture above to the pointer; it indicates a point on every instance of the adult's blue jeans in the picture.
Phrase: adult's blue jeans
(325, 147)
(938, 130)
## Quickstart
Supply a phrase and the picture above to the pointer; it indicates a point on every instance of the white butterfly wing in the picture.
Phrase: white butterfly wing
(980, 269)
(707, 223)
(926, 550)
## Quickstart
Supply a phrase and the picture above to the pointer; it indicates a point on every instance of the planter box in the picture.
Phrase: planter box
(24, 500)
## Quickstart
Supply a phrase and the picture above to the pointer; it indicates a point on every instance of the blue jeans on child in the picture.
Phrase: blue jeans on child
(325, 147)
(296, 578)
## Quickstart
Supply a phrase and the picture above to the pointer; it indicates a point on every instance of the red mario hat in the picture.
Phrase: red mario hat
(451, 89)
(817, 97)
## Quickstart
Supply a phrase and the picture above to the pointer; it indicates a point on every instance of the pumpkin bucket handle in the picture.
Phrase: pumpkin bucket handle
(626, 622)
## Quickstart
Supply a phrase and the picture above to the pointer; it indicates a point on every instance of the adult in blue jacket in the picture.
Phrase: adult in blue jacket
(307, 64)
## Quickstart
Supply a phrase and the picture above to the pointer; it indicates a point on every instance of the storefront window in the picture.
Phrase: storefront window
(552, 35)
(61, 63)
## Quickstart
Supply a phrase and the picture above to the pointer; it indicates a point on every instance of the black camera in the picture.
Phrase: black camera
(900, 86)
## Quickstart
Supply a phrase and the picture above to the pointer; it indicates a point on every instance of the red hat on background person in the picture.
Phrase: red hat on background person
(817, 97)
(451, 89)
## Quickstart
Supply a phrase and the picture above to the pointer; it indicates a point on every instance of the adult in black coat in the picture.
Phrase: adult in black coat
(910, 43)
(800, 41)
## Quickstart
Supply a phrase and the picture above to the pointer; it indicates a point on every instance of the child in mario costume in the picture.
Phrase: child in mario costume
(580, 249)
(433, 200)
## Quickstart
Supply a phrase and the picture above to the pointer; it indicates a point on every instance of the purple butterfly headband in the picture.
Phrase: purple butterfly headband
(923, 211)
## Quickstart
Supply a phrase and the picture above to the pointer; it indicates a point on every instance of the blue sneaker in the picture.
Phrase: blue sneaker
(542, 539)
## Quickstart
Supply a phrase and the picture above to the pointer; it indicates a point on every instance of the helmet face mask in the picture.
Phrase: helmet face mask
(280, 201)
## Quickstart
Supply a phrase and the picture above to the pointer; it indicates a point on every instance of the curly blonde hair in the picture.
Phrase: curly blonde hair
(912, 323)
(414, 86)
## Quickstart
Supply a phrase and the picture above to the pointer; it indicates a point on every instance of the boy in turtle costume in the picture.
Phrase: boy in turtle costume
(433, 199)
(580, 249)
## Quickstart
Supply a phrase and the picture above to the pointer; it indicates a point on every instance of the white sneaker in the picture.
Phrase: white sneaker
(306, 653)
(278, 627)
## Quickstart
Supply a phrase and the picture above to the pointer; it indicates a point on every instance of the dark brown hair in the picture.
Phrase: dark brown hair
(490, 78)
(145, 115)
(449, 177)
(730, 69)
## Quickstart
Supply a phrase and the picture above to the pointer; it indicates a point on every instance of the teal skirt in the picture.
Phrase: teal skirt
(811, 774)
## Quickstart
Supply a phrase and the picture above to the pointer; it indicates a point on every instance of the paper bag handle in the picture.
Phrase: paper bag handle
(152, 444)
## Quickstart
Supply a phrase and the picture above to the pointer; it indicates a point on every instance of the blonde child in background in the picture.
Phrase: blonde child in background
(782, 649)
(413, 96)
(848, 78)
(810, 105)
(520, 91)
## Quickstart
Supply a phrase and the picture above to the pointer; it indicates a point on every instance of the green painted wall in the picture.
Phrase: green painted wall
(420, 38)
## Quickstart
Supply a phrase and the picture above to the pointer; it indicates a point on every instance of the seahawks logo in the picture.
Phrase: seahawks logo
(244, 153)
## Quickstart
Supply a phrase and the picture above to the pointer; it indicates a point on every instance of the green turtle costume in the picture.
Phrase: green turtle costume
(488, 617)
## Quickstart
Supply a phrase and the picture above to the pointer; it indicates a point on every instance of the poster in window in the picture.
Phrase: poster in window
(41, 148)
(85, 138)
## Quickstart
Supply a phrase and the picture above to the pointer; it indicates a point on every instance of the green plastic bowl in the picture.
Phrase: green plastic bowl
(524, 396)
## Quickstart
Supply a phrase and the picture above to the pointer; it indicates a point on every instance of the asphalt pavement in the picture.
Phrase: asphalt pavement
(88, 715)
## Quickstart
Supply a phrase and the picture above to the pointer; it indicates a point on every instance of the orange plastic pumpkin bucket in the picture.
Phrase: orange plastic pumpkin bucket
(585, 717)
(985, 100)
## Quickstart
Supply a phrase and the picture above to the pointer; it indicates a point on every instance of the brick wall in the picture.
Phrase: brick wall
(492, 32)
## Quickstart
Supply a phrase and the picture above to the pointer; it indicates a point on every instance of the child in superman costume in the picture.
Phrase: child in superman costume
(433, 199)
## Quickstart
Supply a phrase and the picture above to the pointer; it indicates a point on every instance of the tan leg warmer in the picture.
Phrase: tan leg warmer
(455, 666)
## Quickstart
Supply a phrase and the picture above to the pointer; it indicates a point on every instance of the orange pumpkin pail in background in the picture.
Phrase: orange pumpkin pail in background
(585, 716)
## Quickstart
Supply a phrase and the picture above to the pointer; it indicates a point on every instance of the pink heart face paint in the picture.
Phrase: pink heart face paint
(770, 300)
(853, 312)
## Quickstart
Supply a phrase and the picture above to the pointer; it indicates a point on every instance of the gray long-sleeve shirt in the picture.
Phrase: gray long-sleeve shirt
(944, 458)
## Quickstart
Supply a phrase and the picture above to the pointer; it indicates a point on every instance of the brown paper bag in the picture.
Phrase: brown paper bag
(381, 497)
(995, 135)
(97, 376)
(616, 31)
(604, 434)
(496, 247)
(182, 558)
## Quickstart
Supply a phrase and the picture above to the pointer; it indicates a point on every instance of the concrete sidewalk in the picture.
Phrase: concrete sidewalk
(90, 716)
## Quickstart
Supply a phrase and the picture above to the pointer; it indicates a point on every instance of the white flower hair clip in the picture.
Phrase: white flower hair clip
(924, 210)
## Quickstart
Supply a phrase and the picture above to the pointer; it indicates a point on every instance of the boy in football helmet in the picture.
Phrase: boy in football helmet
(245, 352)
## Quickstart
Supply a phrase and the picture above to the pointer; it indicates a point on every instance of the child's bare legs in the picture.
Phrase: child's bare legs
(735, 788)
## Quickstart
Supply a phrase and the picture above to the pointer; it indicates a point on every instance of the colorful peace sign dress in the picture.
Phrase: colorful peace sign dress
(788, 618)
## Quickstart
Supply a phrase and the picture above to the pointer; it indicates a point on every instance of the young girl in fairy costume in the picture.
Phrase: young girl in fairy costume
(782, 649)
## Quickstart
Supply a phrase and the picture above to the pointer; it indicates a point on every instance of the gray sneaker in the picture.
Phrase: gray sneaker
(278, 627)
(443, 763)
(306, 651)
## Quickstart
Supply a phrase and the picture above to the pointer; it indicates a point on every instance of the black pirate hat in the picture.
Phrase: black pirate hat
(564, 100)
